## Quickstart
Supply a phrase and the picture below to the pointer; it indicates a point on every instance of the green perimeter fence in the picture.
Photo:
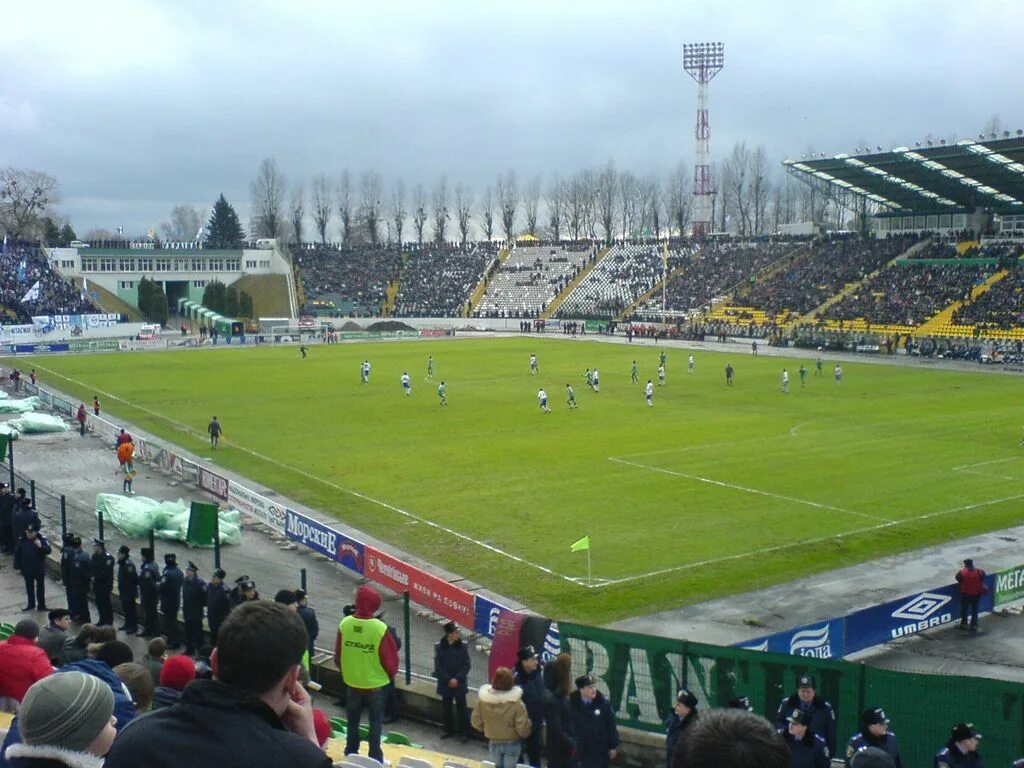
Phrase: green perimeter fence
(640, 674)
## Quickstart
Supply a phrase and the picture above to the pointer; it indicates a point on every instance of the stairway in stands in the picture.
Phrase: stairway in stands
(106, 301)
(561, 297)
(481, 288)
(656, 289)
(941, 323)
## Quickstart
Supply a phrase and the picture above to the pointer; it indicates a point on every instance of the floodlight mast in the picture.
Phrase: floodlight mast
(702, 61)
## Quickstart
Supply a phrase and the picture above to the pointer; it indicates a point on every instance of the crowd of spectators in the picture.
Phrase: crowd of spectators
(437, 280)
(907, 294)
(820, 271)
(22, 266)
(1001, 307)
(530, 278)
(357, 276)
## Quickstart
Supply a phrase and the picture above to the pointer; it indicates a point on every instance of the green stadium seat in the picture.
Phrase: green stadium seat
(394, 737)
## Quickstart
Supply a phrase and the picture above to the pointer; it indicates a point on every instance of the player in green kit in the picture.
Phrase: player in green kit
(662, 357)
(633, 375)
(570, 396)
(590, 378)
(803, 375)
(430, 366)
(442, 392)
(817, 366)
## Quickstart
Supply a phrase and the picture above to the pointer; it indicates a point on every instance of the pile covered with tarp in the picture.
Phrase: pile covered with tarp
(38, 422)
(9, 431)
(137, 516)
(27, 405)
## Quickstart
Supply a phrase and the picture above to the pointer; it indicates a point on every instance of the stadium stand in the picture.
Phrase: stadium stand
(437, 281)
(530, 278)
(21, 267)
(354, 280)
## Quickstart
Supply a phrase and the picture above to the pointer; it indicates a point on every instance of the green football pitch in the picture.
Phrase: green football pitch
(714, 490)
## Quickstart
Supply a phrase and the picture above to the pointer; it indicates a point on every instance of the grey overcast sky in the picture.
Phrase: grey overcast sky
(138, 105)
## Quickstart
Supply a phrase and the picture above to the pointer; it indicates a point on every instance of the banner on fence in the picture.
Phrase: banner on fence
(31, 349)
(486, 613)
(214, 483)
(17, 331)
(507, 640)
(47, 323)
(424, 589)
(325, 540)
(823, 640)
(1009, 586)
(256, 506)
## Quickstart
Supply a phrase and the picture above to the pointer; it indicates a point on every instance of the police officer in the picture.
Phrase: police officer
(874, 732)
(149, 582)
(961, 751)
(530, 678)
(593, 723)
(128, 589)
(81, 580)
(30, 558)
(244, 591)
(170, 600)
(6, 519)
(684, 713)
(806, 699)
(67, 556)
(807, 749)
(102, 581)
(218, 603)
(193, 601)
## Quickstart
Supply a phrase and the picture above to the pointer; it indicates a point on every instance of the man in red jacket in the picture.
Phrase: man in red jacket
(21, 661)
(367, 655)
(972, 587)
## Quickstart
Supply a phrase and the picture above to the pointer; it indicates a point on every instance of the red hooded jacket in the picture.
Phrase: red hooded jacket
(21, 664)
(367, 604)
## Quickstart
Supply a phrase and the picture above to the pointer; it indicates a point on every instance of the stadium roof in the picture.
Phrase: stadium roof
(963, 176)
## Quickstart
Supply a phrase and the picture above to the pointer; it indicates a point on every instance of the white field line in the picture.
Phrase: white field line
(969, 469)
(747, 489)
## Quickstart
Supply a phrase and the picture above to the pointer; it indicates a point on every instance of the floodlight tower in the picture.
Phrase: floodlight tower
(702, 61)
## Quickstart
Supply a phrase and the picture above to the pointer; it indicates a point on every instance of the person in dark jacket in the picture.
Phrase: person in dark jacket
(874, 732)
(193, 602)
(67, 556)
(218, 603)
(806, 699)
(30, 559)
(149, 590)
(530, 678)
(593, 722)
(24, 515)
(732, 738)
(808, 749)
(254, 713)
(102, 582)
(961, 751)
(684, 713)
(170, 600)
(6, 519)
(54, 635)
(245, 591)
(308, 616)
(561, 742)
(128, 589)
(451, 670)
(81, 580)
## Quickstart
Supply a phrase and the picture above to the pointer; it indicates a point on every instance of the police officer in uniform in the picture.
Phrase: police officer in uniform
(961, 751)
(806, 699)
(30, 553)
(244, 591)
(218, 603)
(808, 749)
(170, 600)
(128, 589)
(874, 732)
(684, 713)
(102, 581)
(81, 578)
(149, 582)
(193, 601)
(67, 556)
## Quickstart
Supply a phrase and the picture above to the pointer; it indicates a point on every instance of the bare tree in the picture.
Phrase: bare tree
(370, 184)
(575, 204)
(737, 184)
(556, 207)
(993, 127)
(323, 205)
(268, 191)
(628, 203)
(678, 200)
(398, 211)
(185, 222)
(487, 211)
(606, 196)
(589, 190)
(531, 202)
(463, 210)
(507, 199)
(648, 202)
(759, 188)
(296, 212)
(345, 206)
(419, 214)
(24, 197)
(439, 199)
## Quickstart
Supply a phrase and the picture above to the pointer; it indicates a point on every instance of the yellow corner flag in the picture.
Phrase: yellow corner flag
(580, 545)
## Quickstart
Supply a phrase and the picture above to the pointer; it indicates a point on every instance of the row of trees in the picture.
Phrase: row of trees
(227, 300)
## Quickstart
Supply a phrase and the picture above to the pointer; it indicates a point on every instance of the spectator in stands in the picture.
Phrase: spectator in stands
(22, 663)
(451, 670)
(139, 683)
(66, 720)
(254, 713)
(77, 648)
(175, 674)
(530, 679)
(156, 655)
(684, 714)
(961, 751)
(30, 559)
(806, 699)
(807, 748)
(972, 587)
(874, 732)
(593, 723)
(560, 741)
(732, 738)
(367, 664)
(501, 715)
(54, 635)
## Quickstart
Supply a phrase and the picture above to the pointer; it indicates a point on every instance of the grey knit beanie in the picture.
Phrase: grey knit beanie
(66, 709)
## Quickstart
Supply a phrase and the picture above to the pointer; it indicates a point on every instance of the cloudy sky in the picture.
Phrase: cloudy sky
(137, 106)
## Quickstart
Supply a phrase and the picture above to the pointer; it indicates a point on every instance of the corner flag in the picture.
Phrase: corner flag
(580, 545)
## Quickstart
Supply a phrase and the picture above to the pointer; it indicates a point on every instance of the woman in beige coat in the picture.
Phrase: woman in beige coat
(501, 715)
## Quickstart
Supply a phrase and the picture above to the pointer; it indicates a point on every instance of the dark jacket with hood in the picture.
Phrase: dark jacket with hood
(214, 724)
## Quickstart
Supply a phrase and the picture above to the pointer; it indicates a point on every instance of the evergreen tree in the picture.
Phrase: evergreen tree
(230, 302)
(213, 297)
(152, 301)
(51, 232)
(67, 234)
(245, 305)
(145, 296)
(224, 230)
